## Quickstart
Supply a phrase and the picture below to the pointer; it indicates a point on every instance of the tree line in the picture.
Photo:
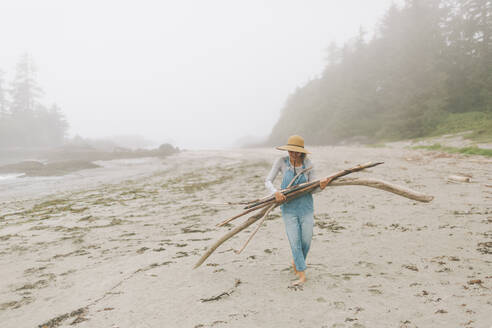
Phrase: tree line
(427, 61)
(24, 120)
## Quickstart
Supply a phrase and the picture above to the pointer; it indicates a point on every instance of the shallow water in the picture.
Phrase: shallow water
(11, 176)
(15, 186)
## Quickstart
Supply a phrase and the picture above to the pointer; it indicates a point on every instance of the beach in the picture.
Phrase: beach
(115, 246)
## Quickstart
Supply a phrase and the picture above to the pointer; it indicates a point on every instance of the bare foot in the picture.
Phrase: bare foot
(302, 279)
(295, 269)
(298, 282)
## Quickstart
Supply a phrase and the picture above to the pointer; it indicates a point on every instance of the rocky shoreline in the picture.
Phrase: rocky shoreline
(57, 162)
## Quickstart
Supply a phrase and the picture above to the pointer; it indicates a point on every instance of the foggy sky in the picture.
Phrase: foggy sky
(197, 73)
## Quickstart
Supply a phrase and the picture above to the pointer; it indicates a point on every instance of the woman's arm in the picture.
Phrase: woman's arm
(276, 168)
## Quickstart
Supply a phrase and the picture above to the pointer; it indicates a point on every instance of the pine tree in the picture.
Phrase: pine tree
(25, 121)
(468, 32)
(57, 125)
(25, 92)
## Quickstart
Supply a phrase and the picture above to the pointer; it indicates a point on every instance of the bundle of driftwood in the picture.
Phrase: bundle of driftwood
(267, 204)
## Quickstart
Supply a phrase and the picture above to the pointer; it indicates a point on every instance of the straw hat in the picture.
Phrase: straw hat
(295, 143)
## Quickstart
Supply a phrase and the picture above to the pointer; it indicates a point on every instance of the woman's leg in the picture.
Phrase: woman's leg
(293, 230)
(294, 268)
(307, 224)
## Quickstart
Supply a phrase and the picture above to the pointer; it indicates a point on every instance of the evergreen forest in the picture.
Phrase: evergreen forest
(24, 121)
(427, 70)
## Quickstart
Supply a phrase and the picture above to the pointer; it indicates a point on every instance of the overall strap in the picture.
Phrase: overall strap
(303, 168)
(294, 169)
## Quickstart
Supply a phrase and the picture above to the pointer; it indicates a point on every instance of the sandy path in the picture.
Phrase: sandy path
(114, 247)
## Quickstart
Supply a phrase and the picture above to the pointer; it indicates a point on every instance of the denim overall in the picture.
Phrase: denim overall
(298, 218)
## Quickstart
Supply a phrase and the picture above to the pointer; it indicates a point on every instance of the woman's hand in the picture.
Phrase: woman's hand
(323, 183)
(279, 197)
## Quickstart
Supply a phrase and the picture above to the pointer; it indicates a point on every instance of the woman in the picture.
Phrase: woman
(297, 214)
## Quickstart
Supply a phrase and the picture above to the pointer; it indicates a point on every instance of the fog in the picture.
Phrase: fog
(198, 74)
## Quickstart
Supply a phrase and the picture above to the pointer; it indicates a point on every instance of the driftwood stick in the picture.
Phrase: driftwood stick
(370, 182)
(227, 203)
(257, 228)
(262, 205)
(297, 175)
(386, 186)
(228, 235)
(458, 178)
(286, 192)
(316, 183)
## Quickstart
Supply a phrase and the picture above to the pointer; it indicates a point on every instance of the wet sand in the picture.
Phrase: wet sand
(115, 246)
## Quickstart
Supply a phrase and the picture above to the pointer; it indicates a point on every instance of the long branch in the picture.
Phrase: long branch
(386, 186)
(315, 184)
(231, 233)
(270, 208)
(262, 205)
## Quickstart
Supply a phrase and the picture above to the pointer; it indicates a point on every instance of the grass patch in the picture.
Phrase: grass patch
(192, 182)
(50, 203)
(137, 193)
(455, 150)
(479, 123)
(191, 188)
(108, 201)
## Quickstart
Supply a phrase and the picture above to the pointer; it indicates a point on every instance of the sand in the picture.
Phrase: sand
(115, 246)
